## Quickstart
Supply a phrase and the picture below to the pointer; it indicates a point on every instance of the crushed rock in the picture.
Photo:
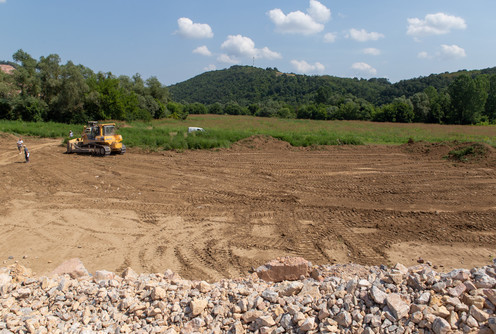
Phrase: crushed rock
(326, 299)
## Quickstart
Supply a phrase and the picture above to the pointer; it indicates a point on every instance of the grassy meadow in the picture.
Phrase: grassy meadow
(223, 130)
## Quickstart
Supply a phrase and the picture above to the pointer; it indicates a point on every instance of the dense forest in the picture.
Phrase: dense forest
(464, 97)
(46, 90)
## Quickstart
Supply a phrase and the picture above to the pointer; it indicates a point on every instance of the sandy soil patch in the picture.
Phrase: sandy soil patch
(214, 214)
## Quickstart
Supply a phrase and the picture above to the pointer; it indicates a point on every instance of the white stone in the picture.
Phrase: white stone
(5, 279)
(158, 293)
(308, 324)
(270, 295)
(363, 283)
(288, 288)
(344, 319)
(377, 295)
(478, 314)
(397, 306)
(197, 306)
(424, 298)
(265, 320)
(441, 326)
(103, 275)
(472, 322)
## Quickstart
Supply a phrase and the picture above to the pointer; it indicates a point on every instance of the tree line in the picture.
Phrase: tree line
(46, 90)
(449, 98)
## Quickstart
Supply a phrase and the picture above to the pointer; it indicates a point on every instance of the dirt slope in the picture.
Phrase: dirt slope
(214, 214)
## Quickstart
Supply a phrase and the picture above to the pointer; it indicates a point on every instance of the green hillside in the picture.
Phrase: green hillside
(246, 85)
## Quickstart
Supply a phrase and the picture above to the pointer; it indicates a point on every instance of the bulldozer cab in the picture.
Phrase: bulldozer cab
(93, 129)
(108, 130)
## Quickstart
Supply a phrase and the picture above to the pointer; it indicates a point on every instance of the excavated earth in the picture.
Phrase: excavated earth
(215, 214)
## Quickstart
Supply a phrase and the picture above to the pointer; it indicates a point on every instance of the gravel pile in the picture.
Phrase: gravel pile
(323, 299)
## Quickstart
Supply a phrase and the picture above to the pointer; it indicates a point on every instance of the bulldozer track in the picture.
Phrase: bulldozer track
(214, 214)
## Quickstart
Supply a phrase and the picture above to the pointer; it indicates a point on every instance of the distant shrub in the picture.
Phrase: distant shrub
(472, 152)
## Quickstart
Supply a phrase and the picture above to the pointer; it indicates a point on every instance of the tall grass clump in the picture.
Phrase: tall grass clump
(37, 129)
(306, 139)
(172, 137)
(208, 140)
(464, 154)
(150, 137)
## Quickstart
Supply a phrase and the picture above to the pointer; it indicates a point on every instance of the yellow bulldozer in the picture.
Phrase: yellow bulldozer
(97, 139)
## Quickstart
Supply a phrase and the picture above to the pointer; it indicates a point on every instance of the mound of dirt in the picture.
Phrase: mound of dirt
(472, 153)
(261, 142)
(8, 136)
(455, 151)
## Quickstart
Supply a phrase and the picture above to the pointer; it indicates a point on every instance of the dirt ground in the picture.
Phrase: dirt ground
(217, 214)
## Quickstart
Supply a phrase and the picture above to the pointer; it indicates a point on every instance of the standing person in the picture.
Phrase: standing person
(19, 145)
(26, 153)
(70, 134)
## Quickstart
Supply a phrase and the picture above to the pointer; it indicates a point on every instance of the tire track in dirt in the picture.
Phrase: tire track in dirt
(13, 156)
(214, 214)
(197, 256)
(361, 252)
(336, 227)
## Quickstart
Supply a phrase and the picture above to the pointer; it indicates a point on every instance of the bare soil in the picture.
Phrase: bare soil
(218, 213)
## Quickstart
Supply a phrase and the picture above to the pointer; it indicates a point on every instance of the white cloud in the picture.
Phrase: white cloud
(363, 35)
(298, 22)
(188, 29)
(364, 67)
(452, 51)
(318, 11)
(202, 50)
(330, 37)
(434, 24)
(268, 54)
(210, 67)
(239, 46)
(372, 51)
(3, 1)
(294, 23)
(446, 52)
(242, 46)
(423, 55)
(304, 67)
(226, 59)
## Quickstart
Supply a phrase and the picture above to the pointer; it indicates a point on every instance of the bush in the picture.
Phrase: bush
(465, 154)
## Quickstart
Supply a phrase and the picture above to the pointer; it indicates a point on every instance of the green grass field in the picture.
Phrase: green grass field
(223, 130)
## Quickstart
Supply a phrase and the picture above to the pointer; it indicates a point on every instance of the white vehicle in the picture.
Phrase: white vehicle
(194, 129)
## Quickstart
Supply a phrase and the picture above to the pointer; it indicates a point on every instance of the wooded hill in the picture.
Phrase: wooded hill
(463, 97)
(246, 85)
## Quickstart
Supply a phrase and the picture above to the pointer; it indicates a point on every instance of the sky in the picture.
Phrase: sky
(178, 40)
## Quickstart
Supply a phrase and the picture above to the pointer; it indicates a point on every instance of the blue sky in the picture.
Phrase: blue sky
(177, 40)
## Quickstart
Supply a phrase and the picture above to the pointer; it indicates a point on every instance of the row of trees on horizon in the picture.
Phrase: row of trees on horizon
(46, 90)
(465, 97)
(463, 103)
